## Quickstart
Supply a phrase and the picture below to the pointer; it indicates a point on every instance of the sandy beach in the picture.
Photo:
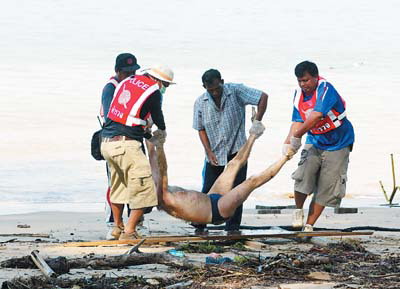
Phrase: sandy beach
(66, 227)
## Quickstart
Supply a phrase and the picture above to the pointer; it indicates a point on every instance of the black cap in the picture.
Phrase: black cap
(126, 62)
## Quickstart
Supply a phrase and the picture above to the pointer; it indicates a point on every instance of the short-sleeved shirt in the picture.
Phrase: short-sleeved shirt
(112, 128)
(225, 127)
(333, 140)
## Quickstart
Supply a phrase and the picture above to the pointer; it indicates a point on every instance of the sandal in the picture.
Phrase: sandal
(131, 236)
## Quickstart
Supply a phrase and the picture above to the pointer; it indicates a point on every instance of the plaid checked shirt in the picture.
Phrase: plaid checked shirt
(225, 127)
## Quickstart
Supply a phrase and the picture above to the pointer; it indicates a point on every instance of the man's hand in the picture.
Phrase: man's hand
(158, 138)
(212, 158)
(257, 128)
(287, 150)
(295, 143)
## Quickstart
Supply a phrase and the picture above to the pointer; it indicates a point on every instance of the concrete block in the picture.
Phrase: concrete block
(269, 211)
(346, 210)
(259, 207)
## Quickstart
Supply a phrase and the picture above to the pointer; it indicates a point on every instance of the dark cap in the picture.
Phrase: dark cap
(126, 62)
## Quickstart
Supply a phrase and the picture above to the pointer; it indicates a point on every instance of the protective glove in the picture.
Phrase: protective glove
(295, 143)
(257, 128)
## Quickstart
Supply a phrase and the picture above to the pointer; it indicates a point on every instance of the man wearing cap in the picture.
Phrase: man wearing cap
(135, 99)
(219, 117)
(123, 68)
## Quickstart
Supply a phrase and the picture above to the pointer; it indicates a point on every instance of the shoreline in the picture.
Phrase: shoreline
(16, 208)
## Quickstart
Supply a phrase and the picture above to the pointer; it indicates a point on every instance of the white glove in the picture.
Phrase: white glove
(158, 137)
(286, 149)
(257, 128)
(295, 143)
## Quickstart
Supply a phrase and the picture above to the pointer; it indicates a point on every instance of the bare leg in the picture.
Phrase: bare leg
(133, 220)
(315, 211)
(117, 210)
(228, 203)
(299, 199)
(224, 183)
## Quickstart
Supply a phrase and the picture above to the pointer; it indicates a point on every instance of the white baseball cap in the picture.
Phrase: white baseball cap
(161, 72)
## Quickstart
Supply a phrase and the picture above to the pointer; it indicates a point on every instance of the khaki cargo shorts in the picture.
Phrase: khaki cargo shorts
(323, 174)
(131, 180)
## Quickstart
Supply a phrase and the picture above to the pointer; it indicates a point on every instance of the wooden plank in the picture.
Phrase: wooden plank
(319, 241)
(196, 238)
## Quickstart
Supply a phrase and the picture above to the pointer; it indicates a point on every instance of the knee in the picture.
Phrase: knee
(233, 163)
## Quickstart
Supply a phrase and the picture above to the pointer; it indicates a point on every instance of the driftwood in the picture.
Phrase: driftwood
(42, 265)
(62, 265)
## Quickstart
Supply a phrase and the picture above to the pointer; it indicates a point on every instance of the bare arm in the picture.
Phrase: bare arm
(206, 144)
(293, 128)
(310, 122)
(262, 106)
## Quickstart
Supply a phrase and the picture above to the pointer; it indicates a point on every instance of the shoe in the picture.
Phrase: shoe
(297, 220)
(114, 233)
(131, 236)
(201, 231)
(109, 235)
(308, 228)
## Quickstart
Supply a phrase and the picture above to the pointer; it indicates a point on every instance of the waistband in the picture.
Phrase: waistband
(117, 138)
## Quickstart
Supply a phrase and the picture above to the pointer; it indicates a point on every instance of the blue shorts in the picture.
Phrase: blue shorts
(216, 219)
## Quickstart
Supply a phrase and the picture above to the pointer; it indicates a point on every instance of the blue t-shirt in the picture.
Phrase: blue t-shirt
(333, 140)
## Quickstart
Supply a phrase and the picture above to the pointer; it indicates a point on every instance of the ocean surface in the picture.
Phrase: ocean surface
(56, 56)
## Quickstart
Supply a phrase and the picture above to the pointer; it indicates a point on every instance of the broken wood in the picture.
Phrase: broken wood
(390, 198)
(196, 238)
(317, 240)
(255, 245)
(26, 235)
(42, 265)
(95, 262)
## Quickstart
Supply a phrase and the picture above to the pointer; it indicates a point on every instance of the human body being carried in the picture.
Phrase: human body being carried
(222, 200)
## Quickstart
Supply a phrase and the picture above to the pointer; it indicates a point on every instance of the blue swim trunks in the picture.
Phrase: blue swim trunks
(217, 219)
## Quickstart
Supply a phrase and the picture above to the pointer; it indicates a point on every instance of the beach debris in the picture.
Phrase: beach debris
(8, 241)
(217, 259)
(180, 285)
(42, 265)
(135, 248)
(152, 281)
(346, 262)
(29, 235)
(319, 276)
(23, 226)
(390, 198)
(176, 253)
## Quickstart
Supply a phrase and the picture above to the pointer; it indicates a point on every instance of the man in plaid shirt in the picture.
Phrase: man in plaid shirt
(219, 116)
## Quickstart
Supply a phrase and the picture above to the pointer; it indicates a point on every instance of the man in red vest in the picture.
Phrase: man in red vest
(136, 98)
(123, 69)
(320, 112)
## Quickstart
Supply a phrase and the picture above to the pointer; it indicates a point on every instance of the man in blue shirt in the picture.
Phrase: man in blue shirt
(320, 112)
(219, 117)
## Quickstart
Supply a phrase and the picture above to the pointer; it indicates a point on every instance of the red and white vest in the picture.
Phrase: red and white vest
(128, 100)
(332, 120)
(114, 82)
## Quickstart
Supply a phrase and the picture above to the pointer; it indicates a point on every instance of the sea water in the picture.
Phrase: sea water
(56, 56)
